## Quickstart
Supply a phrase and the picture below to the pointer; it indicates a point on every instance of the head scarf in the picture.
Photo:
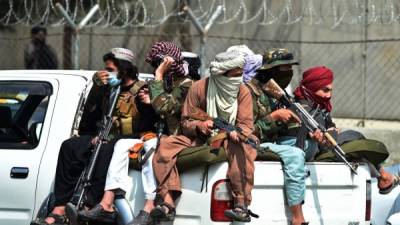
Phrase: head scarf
(226, 61)
(242, 49)
(222, 91)
(253, 61)
(161, 49)
(313, 80)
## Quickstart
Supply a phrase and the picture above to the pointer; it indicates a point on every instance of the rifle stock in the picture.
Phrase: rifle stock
(274, 90)
(219, 123)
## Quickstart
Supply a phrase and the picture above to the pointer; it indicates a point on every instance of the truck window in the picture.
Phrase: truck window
(23, 106)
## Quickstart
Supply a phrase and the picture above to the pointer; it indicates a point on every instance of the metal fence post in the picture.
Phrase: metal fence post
(77, 28)
(364, 73)
(203, 31)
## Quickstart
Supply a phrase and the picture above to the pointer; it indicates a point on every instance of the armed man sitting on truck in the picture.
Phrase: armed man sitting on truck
(271, 121)
(75, 152)
(315, 93)
(167, 100)
(222, 96)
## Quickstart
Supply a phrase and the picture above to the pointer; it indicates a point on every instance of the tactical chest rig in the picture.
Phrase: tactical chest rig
(126, 111)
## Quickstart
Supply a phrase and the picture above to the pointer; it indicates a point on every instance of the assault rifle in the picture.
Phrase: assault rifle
(79, 197)
(273, 89)
(221, 124)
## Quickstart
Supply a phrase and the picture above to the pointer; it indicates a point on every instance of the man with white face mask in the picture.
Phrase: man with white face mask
(222, 95)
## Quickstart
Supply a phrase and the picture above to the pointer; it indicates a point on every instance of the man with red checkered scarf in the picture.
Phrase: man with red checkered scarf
(166, 94)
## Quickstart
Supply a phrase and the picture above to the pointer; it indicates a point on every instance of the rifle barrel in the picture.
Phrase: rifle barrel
(310, 121)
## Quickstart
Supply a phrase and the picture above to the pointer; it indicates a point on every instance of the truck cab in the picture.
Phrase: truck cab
(40, 109)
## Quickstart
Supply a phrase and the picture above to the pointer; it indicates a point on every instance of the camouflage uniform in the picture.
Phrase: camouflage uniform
(168, 101)
(263, 105)
(269, 131)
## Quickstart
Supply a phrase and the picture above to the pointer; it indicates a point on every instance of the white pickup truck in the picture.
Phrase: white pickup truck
(40, 109)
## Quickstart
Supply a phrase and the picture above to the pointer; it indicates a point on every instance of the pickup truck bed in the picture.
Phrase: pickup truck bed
(334, 195)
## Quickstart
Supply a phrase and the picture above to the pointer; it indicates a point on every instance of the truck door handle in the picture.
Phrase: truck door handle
(19, 172)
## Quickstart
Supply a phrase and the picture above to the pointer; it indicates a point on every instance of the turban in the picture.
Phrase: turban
(252, 61)
(226, 61)
(242, 49)
(161, 49)
(315, 79)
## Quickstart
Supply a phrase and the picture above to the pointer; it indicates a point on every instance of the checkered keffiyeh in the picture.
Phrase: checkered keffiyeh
(161, 49)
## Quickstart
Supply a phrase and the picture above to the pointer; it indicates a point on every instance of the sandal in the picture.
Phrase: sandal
(58, 220)
(71, 213)
(387, 190)
(160, 213)
(240, 213)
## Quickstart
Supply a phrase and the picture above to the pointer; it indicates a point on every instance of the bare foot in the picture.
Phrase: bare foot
(297, 214)
(59, 210)
(107, 207)
(148, 206)
(297, 221)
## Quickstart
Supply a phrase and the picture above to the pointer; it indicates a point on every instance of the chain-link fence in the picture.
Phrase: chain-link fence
(357, 39)
(366, 81)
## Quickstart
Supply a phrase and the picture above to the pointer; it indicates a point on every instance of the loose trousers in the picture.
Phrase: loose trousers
(117, 175)
(293, 159)
(73, 157)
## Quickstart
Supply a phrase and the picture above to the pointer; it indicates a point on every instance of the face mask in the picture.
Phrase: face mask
(322, 99)
(283, 78)
(262, 78)
(113, 79)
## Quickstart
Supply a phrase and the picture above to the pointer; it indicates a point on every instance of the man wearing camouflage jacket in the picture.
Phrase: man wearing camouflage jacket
(272, 122)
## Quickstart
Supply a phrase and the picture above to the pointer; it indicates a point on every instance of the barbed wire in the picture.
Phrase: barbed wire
(153, 13)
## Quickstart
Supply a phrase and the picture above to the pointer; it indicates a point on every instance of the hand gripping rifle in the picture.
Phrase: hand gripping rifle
(273, 89)
(79, 197)
(223, 125)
